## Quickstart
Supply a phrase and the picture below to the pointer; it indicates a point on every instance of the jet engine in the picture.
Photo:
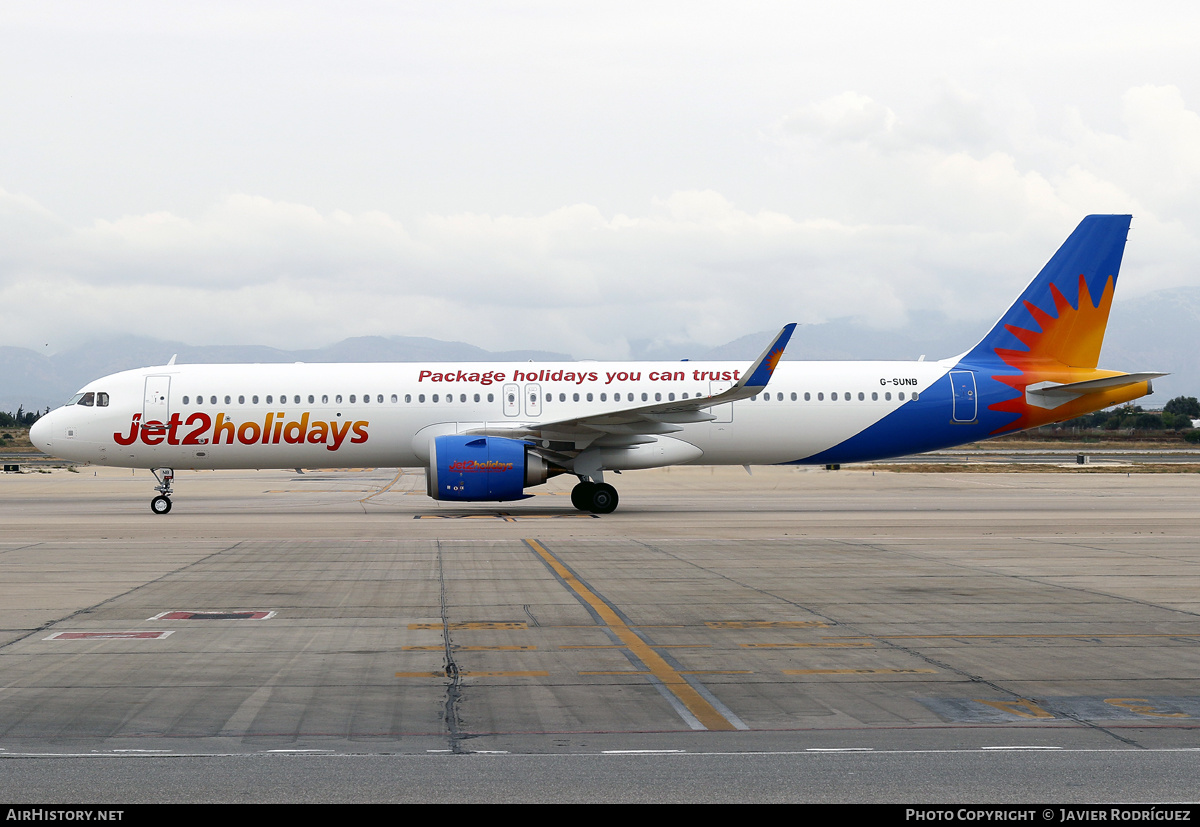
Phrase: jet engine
(471, 468)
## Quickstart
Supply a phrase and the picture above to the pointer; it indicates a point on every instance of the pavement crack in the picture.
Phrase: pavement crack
(454, 686)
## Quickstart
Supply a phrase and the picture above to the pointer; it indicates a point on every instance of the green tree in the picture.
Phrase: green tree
(1187, 405)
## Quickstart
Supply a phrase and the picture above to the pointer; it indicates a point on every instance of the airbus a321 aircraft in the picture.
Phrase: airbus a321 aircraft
(489, 431)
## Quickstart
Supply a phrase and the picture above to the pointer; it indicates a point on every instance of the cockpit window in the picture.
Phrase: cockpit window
(74, 399)
(88, 400)
(101, 400)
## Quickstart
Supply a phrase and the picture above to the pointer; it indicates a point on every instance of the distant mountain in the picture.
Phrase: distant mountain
(1153, 332)
(36, 381)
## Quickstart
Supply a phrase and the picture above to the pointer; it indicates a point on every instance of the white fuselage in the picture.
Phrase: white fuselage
(385, 414)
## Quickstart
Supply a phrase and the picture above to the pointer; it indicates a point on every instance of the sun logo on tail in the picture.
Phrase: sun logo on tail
(1066, 348)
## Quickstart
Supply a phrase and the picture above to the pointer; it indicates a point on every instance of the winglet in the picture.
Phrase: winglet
(760, 372)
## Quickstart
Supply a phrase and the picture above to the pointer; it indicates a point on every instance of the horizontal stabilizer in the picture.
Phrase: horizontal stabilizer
(1053, 394)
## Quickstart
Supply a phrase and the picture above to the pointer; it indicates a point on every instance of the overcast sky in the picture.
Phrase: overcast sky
(573, 176)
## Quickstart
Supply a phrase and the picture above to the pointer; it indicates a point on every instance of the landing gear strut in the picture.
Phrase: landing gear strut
(597, 497)
(162, 503)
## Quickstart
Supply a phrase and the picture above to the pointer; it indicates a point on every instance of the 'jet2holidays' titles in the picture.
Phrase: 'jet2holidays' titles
(199, 429)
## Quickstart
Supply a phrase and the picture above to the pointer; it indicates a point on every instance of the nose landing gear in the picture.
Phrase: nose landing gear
(162, 503)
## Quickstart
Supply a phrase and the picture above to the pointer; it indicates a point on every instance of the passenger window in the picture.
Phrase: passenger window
(915, 397)
(645, 398)
(324, 399)
(807, 396)
(407, 398)
(658, 397)
(820, 397)
(435, 397)
(575, 397)
(462, 397)
(874, 396)
(860, 396)
(421, 398)
(833, 396)
(241, 400)
(604, 397)
(254, 399)
(616, 397)
(379, 398)
(491, 397)
(900, 396)
(476, 397)
(395, 399)
(185, 400)
(888, 396)
(589, 397)
(337, 399)
(562, 397)
(226, 400)
(351, 398)
(268, 399)
(311, 399)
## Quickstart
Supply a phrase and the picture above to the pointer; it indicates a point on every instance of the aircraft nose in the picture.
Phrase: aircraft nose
(39, 433)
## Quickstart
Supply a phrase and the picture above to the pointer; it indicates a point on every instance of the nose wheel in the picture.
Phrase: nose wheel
(598, 498)
(162, 503)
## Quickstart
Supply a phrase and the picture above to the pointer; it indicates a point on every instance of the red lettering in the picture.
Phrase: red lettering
(360, 432)
(133, 432)
(319, 433)
(153, 433)
(202, 421)
(173, 425)
(223, 426)
(338, 435)
(293, 432)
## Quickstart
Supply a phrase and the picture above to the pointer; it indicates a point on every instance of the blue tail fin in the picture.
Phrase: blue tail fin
(1062, 315)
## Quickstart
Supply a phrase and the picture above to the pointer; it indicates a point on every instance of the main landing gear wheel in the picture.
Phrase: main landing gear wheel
(599, 498)
(160, 505)
(581, 495)
(604, 499)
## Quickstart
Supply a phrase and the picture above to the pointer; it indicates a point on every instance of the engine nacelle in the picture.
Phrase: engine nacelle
(471, 468)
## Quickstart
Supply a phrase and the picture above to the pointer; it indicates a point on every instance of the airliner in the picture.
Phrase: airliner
(487, 432)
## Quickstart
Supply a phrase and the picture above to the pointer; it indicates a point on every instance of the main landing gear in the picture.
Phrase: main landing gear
(162, 503)
(596, 497)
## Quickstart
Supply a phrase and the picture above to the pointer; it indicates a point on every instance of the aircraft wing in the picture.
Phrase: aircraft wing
(639, 425)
